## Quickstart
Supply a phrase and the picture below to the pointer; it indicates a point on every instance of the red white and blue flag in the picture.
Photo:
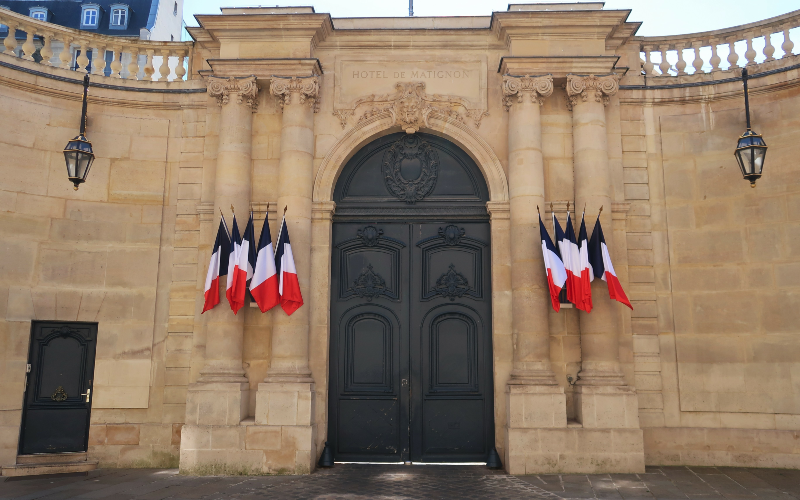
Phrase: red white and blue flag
(586, 267)
(288, 285)
(217, 266)
(556, 275)
(602, 267)
(264, 285)
(237, 271)
(571, 256)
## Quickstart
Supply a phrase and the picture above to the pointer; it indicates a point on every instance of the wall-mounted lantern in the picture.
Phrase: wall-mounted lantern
(78, 154)
(751, 149)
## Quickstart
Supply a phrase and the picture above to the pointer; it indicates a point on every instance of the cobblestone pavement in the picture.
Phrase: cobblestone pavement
(388, 482)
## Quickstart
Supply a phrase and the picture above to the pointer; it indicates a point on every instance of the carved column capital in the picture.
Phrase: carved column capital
(516, 87)
(245, 89)
(603, 87)
(306, 87)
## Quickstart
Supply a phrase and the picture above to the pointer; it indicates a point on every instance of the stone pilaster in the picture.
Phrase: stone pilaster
(602, 398)
(534, 400)
(217, 403)
(587, 97)
(285, 401)
(522, 97)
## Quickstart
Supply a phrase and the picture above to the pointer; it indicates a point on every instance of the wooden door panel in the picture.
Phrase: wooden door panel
(369, 343)
(56, 413)
(451, 374)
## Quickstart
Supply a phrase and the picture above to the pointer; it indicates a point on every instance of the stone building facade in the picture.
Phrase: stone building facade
(553, 107)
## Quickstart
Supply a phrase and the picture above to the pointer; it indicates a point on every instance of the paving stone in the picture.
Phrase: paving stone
(397, 482)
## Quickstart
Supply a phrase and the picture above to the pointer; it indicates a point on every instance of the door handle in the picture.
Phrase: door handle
(88, 394)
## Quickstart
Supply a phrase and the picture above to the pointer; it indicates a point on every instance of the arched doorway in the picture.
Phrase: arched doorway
(411, 341)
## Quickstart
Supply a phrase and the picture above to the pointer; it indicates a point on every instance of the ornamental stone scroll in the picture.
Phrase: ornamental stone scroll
(245, 89)
(603, 88)
(306, 87)
(516, 87)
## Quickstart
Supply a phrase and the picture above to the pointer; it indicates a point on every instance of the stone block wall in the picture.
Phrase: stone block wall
(98, 254)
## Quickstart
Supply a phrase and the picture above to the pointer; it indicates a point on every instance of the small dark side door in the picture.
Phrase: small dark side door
(57, 398)
(411, 345)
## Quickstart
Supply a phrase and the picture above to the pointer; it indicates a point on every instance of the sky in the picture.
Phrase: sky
(666, 17)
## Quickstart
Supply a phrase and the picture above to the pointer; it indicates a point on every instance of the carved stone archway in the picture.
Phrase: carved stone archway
(464, 136)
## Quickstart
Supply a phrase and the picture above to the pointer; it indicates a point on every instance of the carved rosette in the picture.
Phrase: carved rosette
(603, 87)
(515, 88)
(306, 87)
(244, 89)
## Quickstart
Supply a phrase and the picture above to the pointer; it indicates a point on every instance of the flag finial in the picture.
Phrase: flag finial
(584, 207)
(232, 209)
(567, 207)
(601, 211)
(537, 210)
(284, 210)
(551, 206)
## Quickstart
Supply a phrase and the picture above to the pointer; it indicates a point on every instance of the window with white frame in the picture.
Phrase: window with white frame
(119, 16)
(90, 16)
(39, 13)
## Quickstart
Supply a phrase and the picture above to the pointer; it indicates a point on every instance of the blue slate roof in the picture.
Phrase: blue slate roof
(68, 13)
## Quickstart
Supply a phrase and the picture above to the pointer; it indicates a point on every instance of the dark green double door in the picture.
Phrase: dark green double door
(411, 352)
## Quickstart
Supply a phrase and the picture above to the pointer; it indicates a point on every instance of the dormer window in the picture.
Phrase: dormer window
(40, 13)
(119, 17)
(90, 16)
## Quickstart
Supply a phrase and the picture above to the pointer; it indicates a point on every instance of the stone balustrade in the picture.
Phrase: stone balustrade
(703, 53)
(117, 57)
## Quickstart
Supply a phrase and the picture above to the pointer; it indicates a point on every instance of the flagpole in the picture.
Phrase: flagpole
(227, 231)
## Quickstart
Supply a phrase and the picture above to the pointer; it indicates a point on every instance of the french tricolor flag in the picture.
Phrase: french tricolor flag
(218, 266)
(603, 268)
(571, 256)
(264, 285)
(288, 285)
(586, 267)
(237, 271)
(556, 275)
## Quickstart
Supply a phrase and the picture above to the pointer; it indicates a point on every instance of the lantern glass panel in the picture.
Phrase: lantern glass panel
(71, 159)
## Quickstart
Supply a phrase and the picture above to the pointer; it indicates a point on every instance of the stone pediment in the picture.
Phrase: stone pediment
(410, 105)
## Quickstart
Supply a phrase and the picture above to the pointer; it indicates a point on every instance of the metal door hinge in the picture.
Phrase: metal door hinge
(27, 368)
(88, 393)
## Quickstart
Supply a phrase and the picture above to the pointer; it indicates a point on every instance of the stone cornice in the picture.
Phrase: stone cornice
(603, 87)
(307, 88)
(557, 66)
(267, 68)
(245, 89)
(554, 25)
(516, 87)
(265, 27)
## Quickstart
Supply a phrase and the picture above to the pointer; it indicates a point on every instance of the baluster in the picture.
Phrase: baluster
(28, 48)
(733, 57)
(47, 49)
(665, 65)
(163, 70)
(10, 41)
(715, 58)
(83, 60)
(681, 64)
(133, 66)
(180, 70)
(769, 50)
(750, 55)
(697, 64)
(649, 66)
(116, 63)
(787, 44)
(99, 61)
(148, 68)
(66, 55)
